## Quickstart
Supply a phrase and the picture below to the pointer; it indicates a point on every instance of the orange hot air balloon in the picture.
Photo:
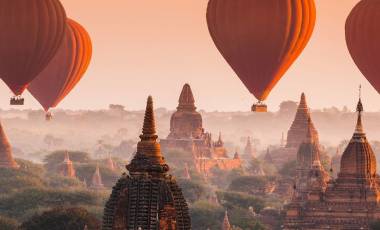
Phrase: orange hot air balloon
(261, 39)
(363, 37)
(66, 69)
(31, 33)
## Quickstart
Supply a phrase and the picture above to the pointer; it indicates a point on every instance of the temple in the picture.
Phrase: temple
(226, 222)
(67, 168)
(187, 134)
(351, 201)
(6, 156)
(297, 135)
(148, 197)
(96, 181)
(249, 150)
(110, 164)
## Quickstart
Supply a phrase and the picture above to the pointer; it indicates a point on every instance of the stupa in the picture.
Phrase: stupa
(148, 197)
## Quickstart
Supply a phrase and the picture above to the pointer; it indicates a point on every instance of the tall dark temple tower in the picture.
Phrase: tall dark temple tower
(148, 198)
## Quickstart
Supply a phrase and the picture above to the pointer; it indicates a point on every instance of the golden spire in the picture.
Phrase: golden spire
(149, 127)
(359, 109)
(148, 157)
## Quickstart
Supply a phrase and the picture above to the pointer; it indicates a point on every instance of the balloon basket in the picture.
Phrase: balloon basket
(17, 101)
(48, 116)
(259, 108)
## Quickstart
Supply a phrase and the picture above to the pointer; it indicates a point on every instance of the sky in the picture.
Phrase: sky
(145, 47)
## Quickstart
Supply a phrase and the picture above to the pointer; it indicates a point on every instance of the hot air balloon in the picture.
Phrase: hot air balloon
(260, 39)
(31, 33)
(362, 38)
(65, 70)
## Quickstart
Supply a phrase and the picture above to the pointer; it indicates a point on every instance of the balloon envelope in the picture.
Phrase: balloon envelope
(260, 39)
(31, 33)
(363, 37)
(66, 69)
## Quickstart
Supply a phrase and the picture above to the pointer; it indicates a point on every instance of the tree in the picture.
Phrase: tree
(231, 200)
(205, 215)
(289, 169)
(7, 223)
(288, 107)
(62, 219)
(193, 191)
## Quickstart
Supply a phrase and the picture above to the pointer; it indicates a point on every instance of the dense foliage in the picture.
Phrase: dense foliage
(62, 219)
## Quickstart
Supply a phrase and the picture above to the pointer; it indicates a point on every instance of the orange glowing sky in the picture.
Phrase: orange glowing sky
(153, 47)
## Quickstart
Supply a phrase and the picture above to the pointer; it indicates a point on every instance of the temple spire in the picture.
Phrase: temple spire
(186, 99)
(359, 109)
(149, 127)
(303, 104)
(226, 222)
(148, 157)
(97, 183)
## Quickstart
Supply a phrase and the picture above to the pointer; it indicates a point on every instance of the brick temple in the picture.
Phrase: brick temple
(296, 135)
(6, 155)
(67, 167)
(351, 201)
(187, 134)
(148, 197)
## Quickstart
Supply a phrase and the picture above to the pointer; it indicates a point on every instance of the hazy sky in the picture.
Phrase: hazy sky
(153, 47)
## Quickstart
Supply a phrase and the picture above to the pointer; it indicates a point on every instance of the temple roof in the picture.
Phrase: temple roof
(148, 158)
(358, 160)
(6, 156)
(302, 122)
(186, 99)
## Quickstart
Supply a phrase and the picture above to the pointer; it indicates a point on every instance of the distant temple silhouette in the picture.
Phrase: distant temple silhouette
(6, 156)
(67, 167)
(351, 201)
(297, 135)
(148, 197)
(187, 134)
(96, 181)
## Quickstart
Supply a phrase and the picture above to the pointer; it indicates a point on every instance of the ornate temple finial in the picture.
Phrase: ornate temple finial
(303, 103)
(359, 109)
(186, 99)
(149, 128)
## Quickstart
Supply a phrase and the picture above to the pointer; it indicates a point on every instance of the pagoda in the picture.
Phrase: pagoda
(96, 181)
(219, 151)
(249, 150)
(110, 164)
(187, 134)
(296, 135)
(186, 121)
(310, 173)
(226, 222)
(351, 201)
(67, 167)
(148, 197)
(300, 126)
(6, 156)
